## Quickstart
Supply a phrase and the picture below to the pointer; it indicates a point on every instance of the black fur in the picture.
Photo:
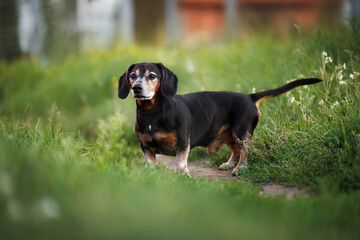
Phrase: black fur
(124, 85)
(169, 81)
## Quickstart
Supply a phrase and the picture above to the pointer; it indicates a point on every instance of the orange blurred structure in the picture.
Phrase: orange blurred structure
(206, 19)
(202, 18)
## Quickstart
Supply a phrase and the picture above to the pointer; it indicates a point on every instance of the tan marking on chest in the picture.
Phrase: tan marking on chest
(146, 104)
(166, 141)
(166, 137)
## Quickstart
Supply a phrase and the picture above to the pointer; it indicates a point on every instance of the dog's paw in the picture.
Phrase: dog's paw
(225, 166)
(186, 172)
(235, 172)
(150, 165)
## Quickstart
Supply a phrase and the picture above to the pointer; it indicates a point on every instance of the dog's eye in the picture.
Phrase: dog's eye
(152, 76)
(132, 76)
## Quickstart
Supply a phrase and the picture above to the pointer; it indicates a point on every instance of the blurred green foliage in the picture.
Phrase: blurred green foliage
(71, 165)
(52, 185)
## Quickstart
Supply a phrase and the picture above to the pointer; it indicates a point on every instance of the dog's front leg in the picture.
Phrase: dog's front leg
(181, 159)
(149, 156)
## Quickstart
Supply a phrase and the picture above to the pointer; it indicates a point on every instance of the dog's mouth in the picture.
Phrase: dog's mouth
(142, 95)
(142, 98)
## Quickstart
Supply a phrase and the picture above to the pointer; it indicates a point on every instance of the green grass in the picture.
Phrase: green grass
(54, 185)
(71, 165)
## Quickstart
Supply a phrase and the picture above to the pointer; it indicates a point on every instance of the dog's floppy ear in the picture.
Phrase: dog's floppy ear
(124, 85)
(169, 81)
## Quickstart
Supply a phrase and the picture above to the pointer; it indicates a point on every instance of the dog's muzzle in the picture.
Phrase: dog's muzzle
(140, 93)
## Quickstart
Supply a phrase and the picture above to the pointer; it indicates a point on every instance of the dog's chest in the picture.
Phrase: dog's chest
(158, 140)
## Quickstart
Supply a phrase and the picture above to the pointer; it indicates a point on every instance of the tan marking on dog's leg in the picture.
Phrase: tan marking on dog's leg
(242, 157)
(150, 157)
(235, 157)
(230, 139)
(181, 159)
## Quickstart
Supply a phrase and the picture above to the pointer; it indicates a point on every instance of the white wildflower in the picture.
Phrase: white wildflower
(344, 66)
(321, 102)
(351, 76)
(292, 99)
(342, 82)
(253, 90)
(190, 67)
(340, 75)
(335, 104)
(346, 100)
(324, 53)
(330, 59)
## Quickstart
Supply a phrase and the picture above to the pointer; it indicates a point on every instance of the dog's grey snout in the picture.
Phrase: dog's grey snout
(137, 88)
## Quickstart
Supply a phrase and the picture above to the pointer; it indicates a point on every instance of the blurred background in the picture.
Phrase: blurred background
(70, 162)
(58, 27)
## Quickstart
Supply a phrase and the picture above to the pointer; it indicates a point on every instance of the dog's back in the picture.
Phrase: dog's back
(210, 111)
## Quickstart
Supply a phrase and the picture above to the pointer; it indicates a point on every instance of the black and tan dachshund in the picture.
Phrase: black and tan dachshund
(172, 124)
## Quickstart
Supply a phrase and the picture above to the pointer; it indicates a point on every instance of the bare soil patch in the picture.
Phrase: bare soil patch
(204, 169)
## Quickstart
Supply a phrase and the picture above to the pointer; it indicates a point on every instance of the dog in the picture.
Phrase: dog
(171, 124)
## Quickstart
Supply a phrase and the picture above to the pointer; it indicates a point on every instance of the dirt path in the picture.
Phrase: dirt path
(198, 170)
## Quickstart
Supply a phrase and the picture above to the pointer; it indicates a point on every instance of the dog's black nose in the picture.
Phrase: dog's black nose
(137, 88)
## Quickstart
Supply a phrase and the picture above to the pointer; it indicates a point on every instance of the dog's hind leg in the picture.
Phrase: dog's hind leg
(243, 145)
(234, 158)
(238, 148)
(242, 160)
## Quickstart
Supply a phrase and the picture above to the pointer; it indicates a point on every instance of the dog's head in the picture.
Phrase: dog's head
(145, 80)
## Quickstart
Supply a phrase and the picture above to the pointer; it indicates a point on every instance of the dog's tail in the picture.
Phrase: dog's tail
(260, 96)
